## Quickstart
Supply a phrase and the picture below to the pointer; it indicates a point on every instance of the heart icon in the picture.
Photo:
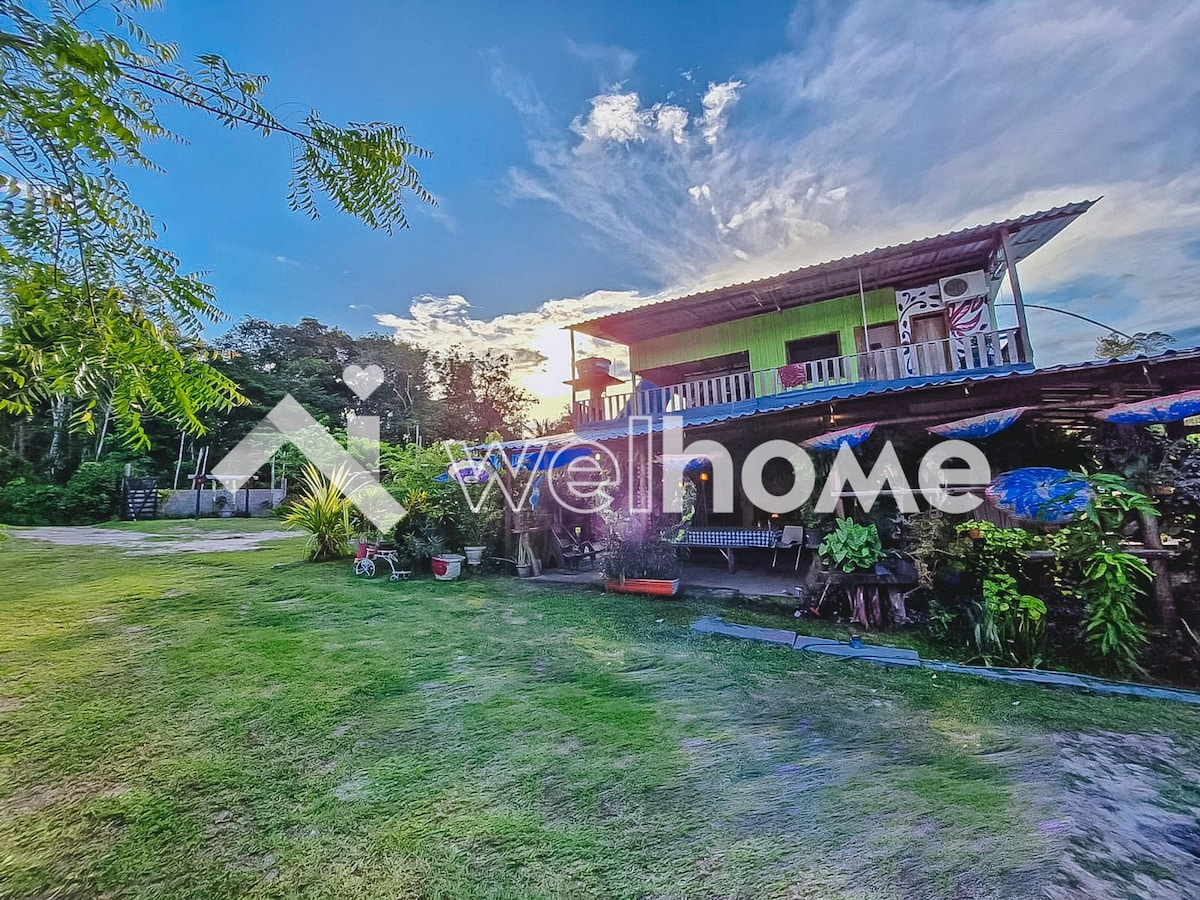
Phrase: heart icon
(363, 381)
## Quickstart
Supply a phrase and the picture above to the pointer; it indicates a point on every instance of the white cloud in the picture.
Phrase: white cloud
(613, 117)
(535, 340)
(286, 261)
(670, 121)
(890, 120)
(717, 99)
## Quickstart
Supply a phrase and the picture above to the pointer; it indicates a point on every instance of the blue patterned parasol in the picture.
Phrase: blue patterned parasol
(466, 471)
(832, 440)
(1171, 408)
(978, 427)
(1040, 494)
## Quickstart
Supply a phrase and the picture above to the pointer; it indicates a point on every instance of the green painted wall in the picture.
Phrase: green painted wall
(765, 336)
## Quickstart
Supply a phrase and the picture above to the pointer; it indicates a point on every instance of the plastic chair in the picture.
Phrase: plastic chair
(793, 536)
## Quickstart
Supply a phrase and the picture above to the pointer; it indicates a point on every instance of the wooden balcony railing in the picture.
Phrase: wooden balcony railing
(977, 351)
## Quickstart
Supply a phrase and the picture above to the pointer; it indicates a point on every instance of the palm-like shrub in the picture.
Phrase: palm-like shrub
(324, 513)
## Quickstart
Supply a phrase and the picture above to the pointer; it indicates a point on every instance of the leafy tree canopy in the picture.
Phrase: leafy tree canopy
(1116, 344)
(478, 396)
(92, 309)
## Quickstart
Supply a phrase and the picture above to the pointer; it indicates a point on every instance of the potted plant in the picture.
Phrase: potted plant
(642, 567)
(424, 541)
(851, 547)
(855, 550)
(477, 529)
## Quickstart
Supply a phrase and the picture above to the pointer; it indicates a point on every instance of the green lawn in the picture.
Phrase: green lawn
(207, 725)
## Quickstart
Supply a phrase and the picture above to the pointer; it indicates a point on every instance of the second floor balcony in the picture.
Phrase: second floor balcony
(814, 380)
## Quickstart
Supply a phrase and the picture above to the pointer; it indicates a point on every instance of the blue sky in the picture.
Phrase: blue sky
(589, 156)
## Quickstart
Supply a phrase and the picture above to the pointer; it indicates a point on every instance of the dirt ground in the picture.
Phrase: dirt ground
(1133, 818)
(176, 539)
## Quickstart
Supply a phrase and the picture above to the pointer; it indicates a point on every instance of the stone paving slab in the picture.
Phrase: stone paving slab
(717, 625)
(898, 656)
(1021, 676)
(892, 656)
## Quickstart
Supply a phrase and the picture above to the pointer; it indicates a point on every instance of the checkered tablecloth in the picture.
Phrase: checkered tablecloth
(729, 537)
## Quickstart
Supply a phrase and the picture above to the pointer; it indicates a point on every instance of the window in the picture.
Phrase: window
(810, 349)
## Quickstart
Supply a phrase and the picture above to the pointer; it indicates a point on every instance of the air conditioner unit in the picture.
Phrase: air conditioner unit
(964, 286)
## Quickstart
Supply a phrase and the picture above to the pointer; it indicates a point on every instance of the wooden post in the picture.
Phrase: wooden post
(1163, 598)
(897, 609)
(875, 607)
(1010, 263)
(574, 376)
(858, 606)
(509, 518)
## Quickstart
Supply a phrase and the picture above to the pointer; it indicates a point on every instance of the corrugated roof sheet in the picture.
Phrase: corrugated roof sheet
(902, 265)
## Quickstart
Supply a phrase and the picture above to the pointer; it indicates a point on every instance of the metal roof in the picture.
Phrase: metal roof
(914, 264)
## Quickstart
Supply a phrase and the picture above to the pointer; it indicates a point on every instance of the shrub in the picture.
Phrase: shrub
(25, 502)
(851, 547)
(322, 511)
(1090, 565)
(651, 559)
(91, 494)
(1013, 626)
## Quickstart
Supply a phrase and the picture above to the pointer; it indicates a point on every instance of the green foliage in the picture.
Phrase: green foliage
(851, 547)
(987, 613)
(87, 288)
(322, 511)
(1090, 565)
(1013, 628)
(28, 502)
(1112, 581)
(423, 539)
(478, 396)
(105, 351)
(990, 549)
(92, 492)
(632, 559)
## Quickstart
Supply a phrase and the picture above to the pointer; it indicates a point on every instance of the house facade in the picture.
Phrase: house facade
(899, 317)
(904, 338)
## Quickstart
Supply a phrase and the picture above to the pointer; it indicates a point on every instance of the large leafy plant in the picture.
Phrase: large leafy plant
(851, 547)
(1090, 564)
(1013, 626)
(322, 511)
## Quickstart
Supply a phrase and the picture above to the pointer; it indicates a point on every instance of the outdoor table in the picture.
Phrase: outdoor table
(726, 540)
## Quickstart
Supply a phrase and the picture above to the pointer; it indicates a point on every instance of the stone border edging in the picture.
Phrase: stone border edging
(897, 656)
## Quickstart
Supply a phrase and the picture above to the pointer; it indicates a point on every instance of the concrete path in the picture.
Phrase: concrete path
(183, 539)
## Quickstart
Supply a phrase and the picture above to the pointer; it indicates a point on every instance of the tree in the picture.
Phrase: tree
(547, 427)
(1116, 344)
(478, 397)
(306, 360)
(77, 254)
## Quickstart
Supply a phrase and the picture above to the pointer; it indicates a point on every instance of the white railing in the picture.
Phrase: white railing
(977, 351)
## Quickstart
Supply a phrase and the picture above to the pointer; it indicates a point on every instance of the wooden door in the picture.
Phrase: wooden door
(878, 358)
(929, 333)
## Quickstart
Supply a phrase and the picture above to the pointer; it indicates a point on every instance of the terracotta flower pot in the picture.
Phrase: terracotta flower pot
(656, 587)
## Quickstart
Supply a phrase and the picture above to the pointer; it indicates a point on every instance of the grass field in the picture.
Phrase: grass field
(211, 725)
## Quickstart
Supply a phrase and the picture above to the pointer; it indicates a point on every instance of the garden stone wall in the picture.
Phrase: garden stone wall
(182, 504)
